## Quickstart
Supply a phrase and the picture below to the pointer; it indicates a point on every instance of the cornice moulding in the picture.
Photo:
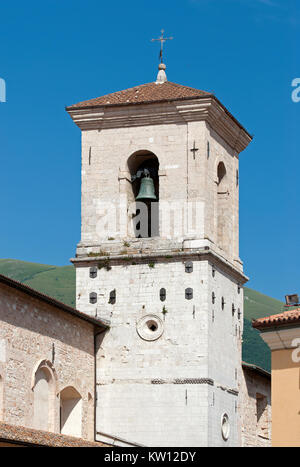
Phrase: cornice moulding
(207, 109)
(200, 254)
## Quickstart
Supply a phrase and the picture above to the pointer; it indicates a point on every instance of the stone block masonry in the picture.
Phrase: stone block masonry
(166, 388)
(169, 368)
(32, 332)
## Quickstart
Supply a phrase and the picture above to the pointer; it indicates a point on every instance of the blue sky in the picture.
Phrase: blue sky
(56, 53)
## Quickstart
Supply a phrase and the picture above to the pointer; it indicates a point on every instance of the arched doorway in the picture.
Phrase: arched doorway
(41, 399)
(71, 412)
(43, 387)
(141, 165)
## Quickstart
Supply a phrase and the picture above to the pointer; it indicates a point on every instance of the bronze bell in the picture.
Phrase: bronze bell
(147, 190)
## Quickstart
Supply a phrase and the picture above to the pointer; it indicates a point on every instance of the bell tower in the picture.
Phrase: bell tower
(159, 261)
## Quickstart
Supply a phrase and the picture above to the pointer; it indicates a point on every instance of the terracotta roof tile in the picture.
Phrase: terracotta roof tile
(28, 436)
(282, 319)
(144, 93)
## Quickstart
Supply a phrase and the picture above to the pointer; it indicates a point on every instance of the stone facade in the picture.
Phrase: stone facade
(169, 369)
(37, 338)
(255, 407)
(106, 178)
(178, 376)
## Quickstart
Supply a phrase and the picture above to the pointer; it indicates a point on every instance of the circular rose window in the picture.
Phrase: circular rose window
(225, 426)
(150, 328)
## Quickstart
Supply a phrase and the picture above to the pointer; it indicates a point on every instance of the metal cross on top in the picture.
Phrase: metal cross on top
(162, 39)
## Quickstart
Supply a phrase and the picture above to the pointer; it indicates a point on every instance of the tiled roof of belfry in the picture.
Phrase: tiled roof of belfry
(19, 435)
(142, 94)
(282, 319)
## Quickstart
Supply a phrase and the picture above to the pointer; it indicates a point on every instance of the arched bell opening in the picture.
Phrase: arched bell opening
(223, 208)
(221, 174)
(143, 167)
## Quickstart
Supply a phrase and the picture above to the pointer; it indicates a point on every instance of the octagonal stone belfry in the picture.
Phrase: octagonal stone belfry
(169, 367)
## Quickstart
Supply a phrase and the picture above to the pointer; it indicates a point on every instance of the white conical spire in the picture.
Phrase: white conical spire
(161, 76)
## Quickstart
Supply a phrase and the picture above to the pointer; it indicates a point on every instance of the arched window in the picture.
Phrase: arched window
(44, 397)
(223, 214)
(144, 165)
(41, 399)
(221, 173)
(71, 412)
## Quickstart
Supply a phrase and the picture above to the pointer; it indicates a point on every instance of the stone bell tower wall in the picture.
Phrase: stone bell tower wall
(188, 373)
(168, 369)
(184, 176)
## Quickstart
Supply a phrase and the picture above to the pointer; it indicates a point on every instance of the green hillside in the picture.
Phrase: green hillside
(56, 281)
(59, 282)
(258, 305)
